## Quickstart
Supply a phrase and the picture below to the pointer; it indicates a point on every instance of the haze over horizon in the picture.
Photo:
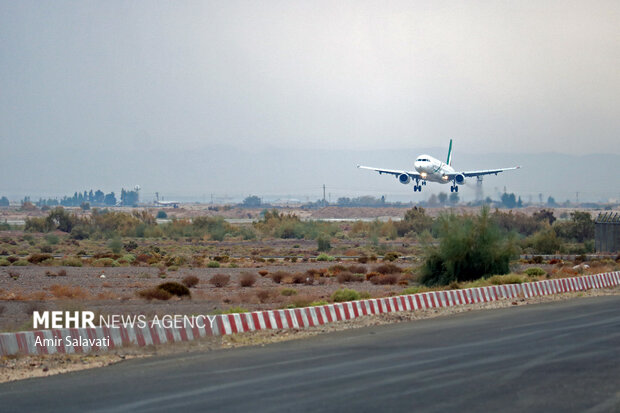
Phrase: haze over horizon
(193, 98)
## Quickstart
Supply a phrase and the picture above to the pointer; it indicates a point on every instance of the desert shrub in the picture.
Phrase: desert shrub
(130, 258)
(323, 244)
(325, 257)
(372, 274)
(62, 273)
(263, 295)
(38, 258)
(12, 259)
(52, 239)
(154, 293)
(247, 279)
(535, 271)
(345, 295)
(190, 281)
(105, 262)
(362, 259)
(308, 279)
(336, 269)
(505, 279)
(46, 249)
(358, 269)
(537, 259)
(173, 268)
(346, 276)
(4, 262)
(317, 303)
(20, 263)
(175, 288)
(298, 278)
(301, 301)
(115, 245)
(388, 268)
(413, 290)
(67, 291)
(277, 276)
(72, 262)
(213, 264)
(545, 241)
(14, 275)
(469, 248)
(231, 310)
(287, 292)
(161, 214)
(262, 273)
(391, 256)
(385, 279)
(219, 280)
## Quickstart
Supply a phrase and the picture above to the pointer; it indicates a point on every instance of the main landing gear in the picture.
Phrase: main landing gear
(454, 188)
(417, 187)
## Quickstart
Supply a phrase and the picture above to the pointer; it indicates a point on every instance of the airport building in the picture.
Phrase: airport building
(607, 233)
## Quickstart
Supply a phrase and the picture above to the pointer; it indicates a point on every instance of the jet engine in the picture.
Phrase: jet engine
(460, 179)
(404, 179)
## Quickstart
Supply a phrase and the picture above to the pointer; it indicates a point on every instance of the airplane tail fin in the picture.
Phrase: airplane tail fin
(449, 161)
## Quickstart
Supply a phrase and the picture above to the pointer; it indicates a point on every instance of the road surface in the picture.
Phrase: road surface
(561, 356)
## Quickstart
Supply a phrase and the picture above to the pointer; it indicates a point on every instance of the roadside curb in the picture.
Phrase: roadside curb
(60, 340)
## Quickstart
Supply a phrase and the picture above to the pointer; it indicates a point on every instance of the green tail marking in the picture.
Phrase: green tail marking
(449, 161)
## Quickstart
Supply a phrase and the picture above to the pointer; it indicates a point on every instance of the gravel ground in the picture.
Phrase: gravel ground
(22, 367)
(116, 293)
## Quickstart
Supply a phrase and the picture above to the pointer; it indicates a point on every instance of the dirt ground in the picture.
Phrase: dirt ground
(33, 290)
(22, 367)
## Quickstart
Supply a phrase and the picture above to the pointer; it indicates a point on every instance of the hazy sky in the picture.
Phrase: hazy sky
(497, 76)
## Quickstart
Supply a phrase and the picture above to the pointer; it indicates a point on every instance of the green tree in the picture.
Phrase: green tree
(469, 248)
(443, 197)
(454, 198)
(252, 201)
(115, 245)
(509, 200)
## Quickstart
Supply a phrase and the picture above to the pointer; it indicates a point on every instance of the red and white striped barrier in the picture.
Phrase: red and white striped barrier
(85, 340)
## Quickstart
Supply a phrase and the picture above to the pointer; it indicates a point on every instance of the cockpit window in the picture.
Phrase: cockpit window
(423, 160)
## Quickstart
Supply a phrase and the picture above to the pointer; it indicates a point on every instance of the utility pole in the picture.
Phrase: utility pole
(577, 197)
(324, 195)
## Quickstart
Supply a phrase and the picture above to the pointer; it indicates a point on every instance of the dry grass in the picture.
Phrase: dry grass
(219, 280)
(385, 279)
(278, 276)
(67, 291)
(154, 294)
(346, 276)
(388, 268)
(247, 279)
(190, 281)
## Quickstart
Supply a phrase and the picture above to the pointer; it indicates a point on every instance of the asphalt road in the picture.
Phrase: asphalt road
(562, 356)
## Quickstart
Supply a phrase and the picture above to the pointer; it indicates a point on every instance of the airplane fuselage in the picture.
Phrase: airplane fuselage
(432, 169)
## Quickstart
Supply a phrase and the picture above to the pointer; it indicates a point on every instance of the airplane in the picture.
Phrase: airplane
(173, 204)
(429, 169)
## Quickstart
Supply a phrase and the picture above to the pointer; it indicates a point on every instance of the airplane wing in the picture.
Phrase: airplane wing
(391, 171)
(483, 172)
